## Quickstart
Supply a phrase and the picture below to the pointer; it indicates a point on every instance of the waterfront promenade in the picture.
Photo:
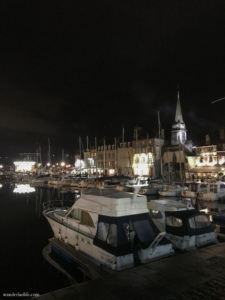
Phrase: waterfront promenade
(194, 275)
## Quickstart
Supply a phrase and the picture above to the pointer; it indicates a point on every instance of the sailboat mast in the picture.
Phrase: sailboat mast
(49, 153)
(96, 159)
(148, 155)
(80, 152)
(160, 154)
(115, 157)
(40, 155)
(104, 160)
(123, 147)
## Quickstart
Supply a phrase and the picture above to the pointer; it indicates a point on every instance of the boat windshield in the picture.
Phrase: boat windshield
(199, 221)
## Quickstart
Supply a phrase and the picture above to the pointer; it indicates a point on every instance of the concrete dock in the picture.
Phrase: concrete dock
(194, 275)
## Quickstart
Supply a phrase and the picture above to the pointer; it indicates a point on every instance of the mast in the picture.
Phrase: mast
(96, 160)
(62, 155)
(122, 148)
(148, 155)
(160, 154)
(49, 153)
(87, 158)
(104, 160)
(115, 156)
(80, 152)
(40, 155)
(37, 157)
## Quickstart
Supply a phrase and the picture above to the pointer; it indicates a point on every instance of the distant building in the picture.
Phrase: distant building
(26, 162)
(146, 156)
(210, 157)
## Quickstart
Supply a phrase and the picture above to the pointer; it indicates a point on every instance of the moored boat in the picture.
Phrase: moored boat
(187, 228)
(110, 227)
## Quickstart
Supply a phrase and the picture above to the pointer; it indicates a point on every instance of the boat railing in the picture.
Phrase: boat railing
(54, 204)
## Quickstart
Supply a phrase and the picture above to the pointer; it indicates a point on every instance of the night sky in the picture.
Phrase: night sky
(70, 68)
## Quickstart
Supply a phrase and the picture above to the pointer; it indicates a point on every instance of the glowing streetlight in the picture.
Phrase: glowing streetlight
(48, 164)
(62, 164)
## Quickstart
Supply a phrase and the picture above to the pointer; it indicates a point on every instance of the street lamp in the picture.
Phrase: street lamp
(62, 164)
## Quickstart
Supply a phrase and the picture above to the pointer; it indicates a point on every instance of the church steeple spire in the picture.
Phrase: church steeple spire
(178, 116)
(179, 132)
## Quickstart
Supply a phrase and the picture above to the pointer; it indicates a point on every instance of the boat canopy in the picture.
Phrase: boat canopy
(187, 222)
(111, 202)
(166, 205)
(113, 233)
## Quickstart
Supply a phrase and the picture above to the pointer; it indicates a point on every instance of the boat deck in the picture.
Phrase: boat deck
(199, 274)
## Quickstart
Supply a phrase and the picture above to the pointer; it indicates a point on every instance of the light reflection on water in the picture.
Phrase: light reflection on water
(25, 232)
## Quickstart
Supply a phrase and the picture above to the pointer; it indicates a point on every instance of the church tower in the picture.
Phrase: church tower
(179, 132)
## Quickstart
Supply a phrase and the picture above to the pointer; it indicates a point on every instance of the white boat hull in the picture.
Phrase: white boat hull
(85, 244)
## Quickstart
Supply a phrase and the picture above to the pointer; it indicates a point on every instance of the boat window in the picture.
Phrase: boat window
(142, 229)
(213, 188)
(192, 223)
(75, 214)
(202, 221)
(86, 219)
(222, 186)
(103, 229)
(112, 237)
(126, 229)
(173, 221)
(199, 221)
(155, 214)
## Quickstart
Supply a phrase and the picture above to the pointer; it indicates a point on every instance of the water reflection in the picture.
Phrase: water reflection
(23, 189)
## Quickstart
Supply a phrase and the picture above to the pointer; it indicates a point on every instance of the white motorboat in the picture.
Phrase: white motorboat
(110, 227)
(61, 180)
(152, 188)
(186, 227)
(171, 190)
(215, 191)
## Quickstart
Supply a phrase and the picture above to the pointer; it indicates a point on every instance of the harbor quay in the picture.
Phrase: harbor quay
(199, 274)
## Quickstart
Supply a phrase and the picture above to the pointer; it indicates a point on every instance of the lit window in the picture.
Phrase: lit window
(173, 221)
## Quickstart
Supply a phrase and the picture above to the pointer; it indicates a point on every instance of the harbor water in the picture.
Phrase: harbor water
(24, 234)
